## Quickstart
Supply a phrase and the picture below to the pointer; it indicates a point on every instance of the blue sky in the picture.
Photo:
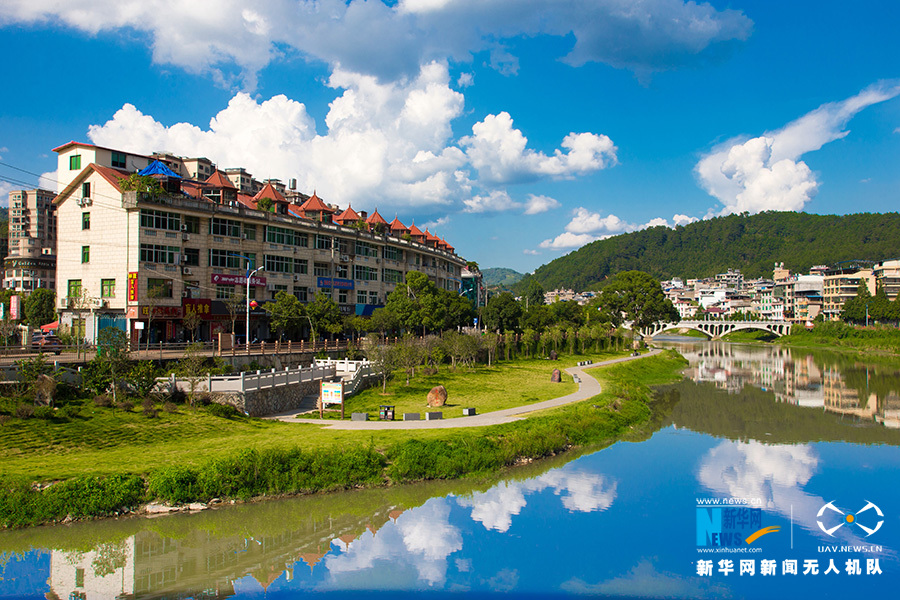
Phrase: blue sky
(517, 130)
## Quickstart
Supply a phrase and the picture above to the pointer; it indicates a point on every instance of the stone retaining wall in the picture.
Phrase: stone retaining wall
(268, 401)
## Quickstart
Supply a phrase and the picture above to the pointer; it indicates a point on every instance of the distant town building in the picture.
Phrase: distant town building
(30, 262)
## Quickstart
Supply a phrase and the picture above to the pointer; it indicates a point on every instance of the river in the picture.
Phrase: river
(768, 473)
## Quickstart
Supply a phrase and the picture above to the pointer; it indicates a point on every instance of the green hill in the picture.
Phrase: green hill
(501, 277)
(749, 243)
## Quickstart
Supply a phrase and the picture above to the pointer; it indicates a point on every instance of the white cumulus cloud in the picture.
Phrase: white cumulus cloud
(391, 41)
(539, 204)
(587, 226)
(766, 173)
(500, 154)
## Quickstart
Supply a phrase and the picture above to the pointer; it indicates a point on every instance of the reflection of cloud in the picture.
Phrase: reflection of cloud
(773, 473)
(420, 540)
(584, 492)
(644, 581)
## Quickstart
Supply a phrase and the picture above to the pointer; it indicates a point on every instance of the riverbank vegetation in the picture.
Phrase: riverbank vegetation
(839, 335)
(107, 461)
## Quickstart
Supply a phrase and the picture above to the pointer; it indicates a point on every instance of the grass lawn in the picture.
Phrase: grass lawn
(507, 385)
(102, 441)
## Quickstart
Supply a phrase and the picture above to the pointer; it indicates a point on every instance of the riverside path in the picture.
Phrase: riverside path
(587, 388)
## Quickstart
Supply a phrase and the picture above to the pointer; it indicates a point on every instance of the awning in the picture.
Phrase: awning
(158, 168)
(50, 326)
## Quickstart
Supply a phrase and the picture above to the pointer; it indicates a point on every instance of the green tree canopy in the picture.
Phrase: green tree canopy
(325, 315)
(40, 307)
(286, 314)
(637, 297)
(502, 313)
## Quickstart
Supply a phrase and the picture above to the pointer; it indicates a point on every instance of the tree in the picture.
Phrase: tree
(502, 313)
(384, 321)
(235, 304)
(191, 322)
(266, 204)
(324, 315)
(192, 367)
(855, 309)
(534, 296)
(112, 354)
(286, 314)
(141, 183)
(40, 307)
(383, 358)
(410, 352)
(154, 295)
(637, 297)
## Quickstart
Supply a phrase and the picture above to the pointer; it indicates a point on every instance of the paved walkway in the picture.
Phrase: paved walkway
(587, 388)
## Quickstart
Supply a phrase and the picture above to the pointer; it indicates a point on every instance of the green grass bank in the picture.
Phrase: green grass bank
(111, 461)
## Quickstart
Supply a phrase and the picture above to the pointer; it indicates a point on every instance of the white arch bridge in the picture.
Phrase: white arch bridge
(716, 329)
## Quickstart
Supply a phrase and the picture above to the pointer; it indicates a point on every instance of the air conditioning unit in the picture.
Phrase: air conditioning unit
(243, 236)
(185, 237)
(377, 261)
(296, 278)
(294, 249)
(184, 258)
(345, 258)
(64, 302)
(183, 227)
(187, 271)
(270, 287)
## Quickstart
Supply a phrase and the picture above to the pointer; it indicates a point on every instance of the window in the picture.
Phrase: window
(73, 289)
(361, 296)
(341, 271)
(249, 232)
(85, 220)
(161, 288)
(366, 249)
(392, 276)
(279, 264)
(85, 254)
(342, 296)
(301, 266)
(159, 219)
(107, 288)
(301, 293)
(192, 289)
(227, 227)
(278, 288)
(287, 237)
(391, 253)
(118, 160)
(223, 292)
(362, 273)
(159, 254)
(323, 242)
(225, 259)
(191, 224)
(191, 257)
(86, 189)
(373, 297)
(321, 270)
(75, 162)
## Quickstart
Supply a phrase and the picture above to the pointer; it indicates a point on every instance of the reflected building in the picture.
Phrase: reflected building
(795, 378)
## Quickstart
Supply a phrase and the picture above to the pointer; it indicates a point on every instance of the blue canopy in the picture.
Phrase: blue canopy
(158, 168)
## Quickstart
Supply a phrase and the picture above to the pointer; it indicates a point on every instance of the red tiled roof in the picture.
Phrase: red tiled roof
(247, 200)
(398, 228)
(269, 191)
(376, 218)
(415, 231)
(430, 237)
(295, 210)
(315, 204)
(218, 179)
(348, 216)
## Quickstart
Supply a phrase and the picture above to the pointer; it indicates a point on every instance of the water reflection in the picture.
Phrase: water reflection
(583, 492)
(837, 384)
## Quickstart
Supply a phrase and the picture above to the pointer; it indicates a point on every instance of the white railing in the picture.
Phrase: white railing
(360, 371)
(249, 381)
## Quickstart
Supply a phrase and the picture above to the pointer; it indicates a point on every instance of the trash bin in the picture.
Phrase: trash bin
(386, 413)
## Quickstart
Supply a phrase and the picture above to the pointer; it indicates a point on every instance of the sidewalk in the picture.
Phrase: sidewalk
(588, 388)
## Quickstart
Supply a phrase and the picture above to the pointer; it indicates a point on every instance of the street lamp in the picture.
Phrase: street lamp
(250, 274)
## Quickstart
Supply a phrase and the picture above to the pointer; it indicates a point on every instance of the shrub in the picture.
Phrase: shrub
(176, 484)
(103, 400)
(4, 419)
(24, 411)
(170, 407)
(70, 411)
(224, 411)
(126, 405)
(44, 412)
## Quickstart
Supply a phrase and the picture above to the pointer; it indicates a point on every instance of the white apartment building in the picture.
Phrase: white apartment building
(142, 263)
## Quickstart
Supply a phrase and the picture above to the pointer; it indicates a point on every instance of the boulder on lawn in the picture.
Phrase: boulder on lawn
(437, 396)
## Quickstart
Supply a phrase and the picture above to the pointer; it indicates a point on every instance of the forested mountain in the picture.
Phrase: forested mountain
(500, 277)
(749, 243)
